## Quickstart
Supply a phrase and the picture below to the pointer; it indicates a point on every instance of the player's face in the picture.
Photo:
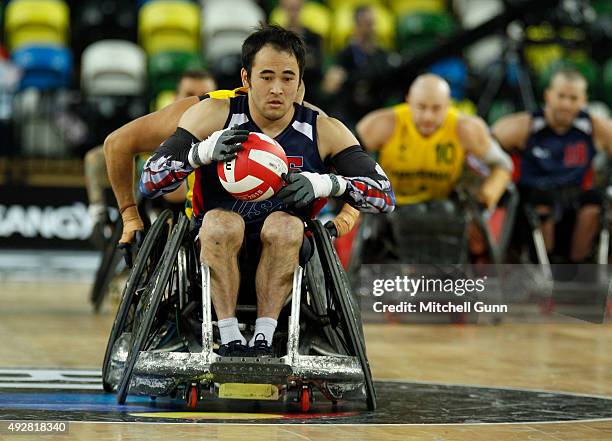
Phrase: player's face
(194, 87)
(428, 112)
(274, 82)
(564, 99)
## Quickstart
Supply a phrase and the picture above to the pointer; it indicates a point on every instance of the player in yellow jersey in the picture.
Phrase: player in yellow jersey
(422, 145)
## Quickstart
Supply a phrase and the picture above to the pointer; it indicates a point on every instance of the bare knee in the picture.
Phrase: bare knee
(222, 230)
(282, 229)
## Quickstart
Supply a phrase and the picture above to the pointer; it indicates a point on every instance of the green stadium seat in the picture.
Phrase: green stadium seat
(498, 109)
(166, 68)
(420, 31)
(602, 7)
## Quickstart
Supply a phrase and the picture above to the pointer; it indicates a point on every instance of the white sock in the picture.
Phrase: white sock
(229, 331)
(265, 326)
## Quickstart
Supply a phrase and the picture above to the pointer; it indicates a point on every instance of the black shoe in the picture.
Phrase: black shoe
(234, 348)
(260, 347)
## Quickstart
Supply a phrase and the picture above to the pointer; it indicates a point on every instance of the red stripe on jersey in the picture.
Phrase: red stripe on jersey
(587, 180)
(516, 161)
(197, 201)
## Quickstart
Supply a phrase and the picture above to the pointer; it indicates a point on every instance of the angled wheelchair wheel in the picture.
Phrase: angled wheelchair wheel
(146, 261)
(111, 257)
(342, 301)
(159, 298)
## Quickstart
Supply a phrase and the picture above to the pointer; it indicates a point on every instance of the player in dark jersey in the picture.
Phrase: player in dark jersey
(272, 230)
(144, 135)
(555, 147)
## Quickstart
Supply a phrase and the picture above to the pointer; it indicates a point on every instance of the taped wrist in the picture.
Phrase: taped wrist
(131, 224)
(338, 185)
(201, 153)
(496, 157)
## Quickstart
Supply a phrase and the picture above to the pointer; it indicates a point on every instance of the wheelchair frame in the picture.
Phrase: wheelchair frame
(338, 373)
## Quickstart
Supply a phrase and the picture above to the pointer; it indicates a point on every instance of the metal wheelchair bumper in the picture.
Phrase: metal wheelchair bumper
(157, 372)
(187, 366)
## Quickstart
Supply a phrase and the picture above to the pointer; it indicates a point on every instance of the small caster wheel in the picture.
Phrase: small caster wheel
(305, 399)
(192, 399)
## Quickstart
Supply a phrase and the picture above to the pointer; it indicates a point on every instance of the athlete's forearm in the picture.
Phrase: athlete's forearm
(119, 156)
(367, 187)
(494, 186)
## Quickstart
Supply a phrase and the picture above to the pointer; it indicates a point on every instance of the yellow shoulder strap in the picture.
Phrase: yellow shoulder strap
(224, 94)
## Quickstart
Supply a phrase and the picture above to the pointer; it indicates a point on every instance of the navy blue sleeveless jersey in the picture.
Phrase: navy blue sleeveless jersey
(299, 140)
(552, 161)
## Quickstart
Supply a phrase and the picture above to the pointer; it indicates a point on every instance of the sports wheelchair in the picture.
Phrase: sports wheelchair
(435, 232)
(431, 239)
(162, 339)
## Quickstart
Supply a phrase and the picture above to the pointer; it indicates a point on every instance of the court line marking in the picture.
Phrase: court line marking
(374, 424)
(308, 424)
(97, 373)
(519, 389)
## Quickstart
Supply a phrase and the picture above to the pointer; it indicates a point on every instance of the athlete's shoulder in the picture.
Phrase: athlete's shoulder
(472, 132)
(470, 123)
(512, 131)
(209, 115)
(333, 136)
(327, 125)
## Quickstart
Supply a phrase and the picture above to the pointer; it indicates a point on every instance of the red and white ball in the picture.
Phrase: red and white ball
(255, 174)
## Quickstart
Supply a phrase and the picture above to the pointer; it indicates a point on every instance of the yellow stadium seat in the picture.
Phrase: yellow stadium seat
(337, 4)
(343, 24)
(404, 7)
(36, 22)
(169, 26)
(465, 106)
(314, 16)
(544, 50)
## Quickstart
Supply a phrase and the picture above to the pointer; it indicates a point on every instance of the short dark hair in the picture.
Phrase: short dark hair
(568, 72)
(279, 38)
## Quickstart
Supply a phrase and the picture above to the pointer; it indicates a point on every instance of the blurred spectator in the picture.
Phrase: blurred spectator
(349, 82)
(314, 47)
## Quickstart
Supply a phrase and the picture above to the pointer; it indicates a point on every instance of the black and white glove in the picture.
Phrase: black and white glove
(222, 145)
(303, 188)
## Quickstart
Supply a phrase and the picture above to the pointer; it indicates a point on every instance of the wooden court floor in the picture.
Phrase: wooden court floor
(51, 325)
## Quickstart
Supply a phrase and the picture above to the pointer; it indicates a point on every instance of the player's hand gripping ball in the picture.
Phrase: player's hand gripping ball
(255, 173)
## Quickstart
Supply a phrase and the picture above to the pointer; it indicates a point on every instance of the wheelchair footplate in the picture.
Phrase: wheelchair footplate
(259, 370)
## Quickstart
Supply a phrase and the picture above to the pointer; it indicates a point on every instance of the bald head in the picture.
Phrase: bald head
(429, 98)
(430, 86)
